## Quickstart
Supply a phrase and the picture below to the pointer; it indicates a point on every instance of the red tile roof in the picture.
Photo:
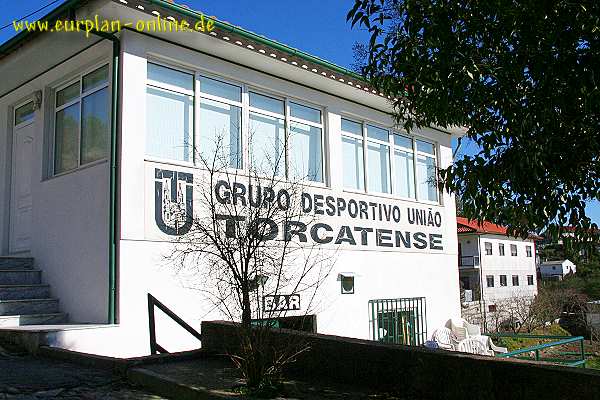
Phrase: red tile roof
(465, 225)
(470, 226)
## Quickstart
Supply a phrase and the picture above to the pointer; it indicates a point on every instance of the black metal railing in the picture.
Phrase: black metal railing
(155, 348)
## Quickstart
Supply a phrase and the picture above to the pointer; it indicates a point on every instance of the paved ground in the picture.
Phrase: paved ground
(27, 377)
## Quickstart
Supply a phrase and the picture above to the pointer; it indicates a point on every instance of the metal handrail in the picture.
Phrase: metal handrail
(155, 348)
(559, 341)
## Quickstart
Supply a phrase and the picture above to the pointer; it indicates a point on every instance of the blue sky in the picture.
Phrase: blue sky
(316, 26)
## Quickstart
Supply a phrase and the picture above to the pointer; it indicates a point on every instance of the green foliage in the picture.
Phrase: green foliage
(521, 75)
(514, 343)
(586, 281)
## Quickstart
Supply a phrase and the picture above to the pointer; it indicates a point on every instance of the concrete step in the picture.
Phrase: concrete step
(28, 306)
(18, 292)
(34, 319)
(9, 262)
(20, 276)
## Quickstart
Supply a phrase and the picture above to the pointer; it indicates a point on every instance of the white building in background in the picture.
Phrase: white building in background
(93, 139)
(557, 270)
(494, 266)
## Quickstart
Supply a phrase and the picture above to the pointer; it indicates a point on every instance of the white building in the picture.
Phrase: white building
(557, 270)
(494, 266)
(93, 133)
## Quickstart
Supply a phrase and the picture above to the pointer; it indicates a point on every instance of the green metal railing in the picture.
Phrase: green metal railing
(534, 352)
(399, 321)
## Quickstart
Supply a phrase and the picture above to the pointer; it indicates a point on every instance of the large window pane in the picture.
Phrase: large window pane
(170, 76)
(426, 178)
(66, 146)
(267, 139)
(95, 79)
(220, 89)
(377, 133)
(266, 103)
(304, 112)
(220, 137)
(353, 171)
(67, 94)
(378, 167)
(169, 122)
(305, 152)
(404, 179)
(94, 126)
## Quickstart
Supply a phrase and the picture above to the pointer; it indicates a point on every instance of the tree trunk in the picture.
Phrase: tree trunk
(246, 310)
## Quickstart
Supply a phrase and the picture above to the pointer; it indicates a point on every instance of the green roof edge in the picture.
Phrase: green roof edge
(16, 40)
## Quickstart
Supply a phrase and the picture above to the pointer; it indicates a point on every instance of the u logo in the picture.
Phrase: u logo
(173, 201)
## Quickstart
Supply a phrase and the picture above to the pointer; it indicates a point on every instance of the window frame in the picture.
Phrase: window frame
(490, 279)
(242, 104)
(488, 246)
(501, 250)
(505, 280)
(515, 278)
(530, 280)
(528, 251)
(516, 252)
(246, 109)
(53, 109)
(392, 146)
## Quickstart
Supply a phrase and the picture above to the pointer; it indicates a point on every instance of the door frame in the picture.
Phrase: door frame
(30, 98)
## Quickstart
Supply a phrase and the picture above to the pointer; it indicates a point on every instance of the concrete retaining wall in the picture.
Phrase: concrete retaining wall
(417, 371)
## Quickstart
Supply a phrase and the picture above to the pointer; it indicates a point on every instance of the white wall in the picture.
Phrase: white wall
(379, 274)
(508, 265)
(70, 212)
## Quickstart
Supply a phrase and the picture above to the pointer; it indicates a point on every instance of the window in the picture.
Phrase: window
(394, 163)
(24, 113)
(492, 308)
(378, 160)
(352, 153)
(488, 249)
(503, 280)
(490, 280)
(515, 280)
(169, 113)
(266, 135)
(501, 249)
(220, 126)
(513, 250)
(404, 177)
(528, 251)
(81, 121)
(304, 143)
(426, 171)
(271, 136)
(530, 280)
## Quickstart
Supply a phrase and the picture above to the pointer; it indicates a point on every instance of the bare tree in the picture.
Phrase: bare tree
(248, 247)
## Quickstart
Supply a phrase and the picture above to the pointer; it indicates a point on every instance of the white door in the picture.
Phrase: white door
(22, 168)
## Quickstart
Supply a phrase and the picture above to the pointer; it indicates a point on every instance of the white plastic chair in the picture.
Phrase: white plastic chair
(462, 329)
(473, 346)
(444, 338)
(496, 349)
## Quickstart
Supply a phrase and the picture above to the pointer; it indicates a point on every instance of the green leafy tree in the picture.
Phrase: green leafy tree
(522, 77)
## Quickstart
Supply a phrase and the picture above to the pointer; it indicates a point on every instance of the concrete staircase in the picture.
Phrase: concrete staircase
(24, 300)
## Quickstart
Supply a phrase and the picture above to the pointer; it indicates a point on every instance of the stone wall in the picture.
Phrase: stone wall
(417, 371)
